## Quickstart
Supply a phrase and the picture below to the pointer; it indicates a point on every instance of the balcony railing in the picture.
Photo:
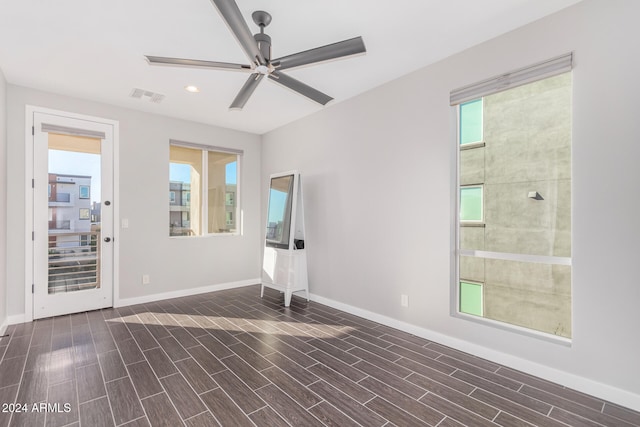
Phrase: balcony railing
(180, 231)
(74, 261)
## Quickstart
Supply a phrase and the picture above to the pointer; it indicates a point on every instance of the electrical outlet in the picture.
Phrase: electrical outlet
(404, 300)
(145, 279)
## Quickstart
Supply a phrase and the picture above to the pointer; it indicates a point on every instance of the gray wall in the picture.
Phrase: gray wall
(174, 264)
(3, 202)
(377, 173)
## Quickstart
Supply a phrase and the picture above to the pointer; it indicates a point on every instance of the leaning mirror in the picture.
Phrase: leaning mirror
(279, 213)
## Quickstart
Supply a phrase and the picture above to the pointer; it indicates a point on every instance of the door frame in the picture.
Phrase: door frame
(30, 110)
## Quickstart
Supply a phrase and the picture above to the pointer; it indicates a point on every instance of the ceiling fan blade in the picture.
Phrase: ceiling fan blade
(341, 49)
(300, 87)
(238, 26)
(243, 96)
(195, 63)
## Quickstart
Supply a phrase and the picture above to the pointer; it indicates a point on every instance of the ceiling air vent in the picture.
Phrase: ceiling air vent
(153, 97)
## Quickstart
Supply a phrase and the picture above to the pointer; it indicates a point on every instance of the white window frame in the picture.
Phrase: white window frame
(204, 197)
(522, 76)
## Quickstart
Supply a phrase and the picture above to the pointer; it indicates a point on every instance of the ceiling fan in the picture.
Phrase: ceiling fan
(258, 50)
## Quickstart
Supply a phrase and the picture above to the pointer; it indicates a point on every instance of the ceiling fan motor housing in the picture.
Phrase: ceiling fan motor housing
(264, 45)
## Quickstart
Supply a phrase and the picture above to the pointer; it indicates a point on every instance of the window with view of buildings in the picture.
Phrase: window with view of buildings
(514, 250)
(202, 182)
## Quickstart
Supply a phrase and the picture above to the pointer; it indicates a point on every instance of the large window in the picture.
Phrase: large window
(514, 199)
(202, 181)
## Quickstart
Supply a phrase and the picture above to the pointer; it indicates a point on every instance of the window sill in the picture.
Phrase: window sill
(532, 333)
(472, 145)
(472, 224)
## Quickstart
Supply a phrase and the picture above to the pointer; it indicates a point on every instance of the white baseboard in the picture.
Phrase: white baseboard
(184, 292)
(584, 385)
(3, 326)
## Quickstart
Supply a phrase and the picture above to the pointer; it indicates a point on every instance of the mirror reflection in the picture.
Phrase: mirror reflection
(279, 214)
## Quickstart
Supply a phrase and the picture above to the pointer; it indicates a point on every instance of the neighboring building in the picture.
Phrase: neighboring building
(179, 208)
(230, 207)
(515, 182)
(96, 216)
(70, 209)
(272, 229)
(74, 231)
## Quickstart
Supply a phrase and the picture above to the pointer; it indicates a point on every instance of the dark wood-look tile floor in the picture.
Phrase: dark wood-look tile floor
(230, 358)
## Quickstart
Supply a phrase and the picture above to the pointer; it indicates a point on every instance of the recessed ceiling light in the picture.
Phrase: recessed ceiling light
(192, 89)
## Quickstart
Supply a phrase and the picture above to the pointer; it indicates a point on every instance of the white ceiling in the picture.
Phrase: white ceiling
(93, 49)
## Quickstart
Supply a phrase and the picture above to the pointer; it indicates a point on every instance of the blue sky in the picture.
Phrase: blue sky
(277, 202)
(73, 163)
(179, 172)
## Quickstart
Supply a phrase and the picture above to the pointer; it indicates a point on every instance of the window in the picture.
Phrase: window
(172, 197)
(513, 249)
(85, 191)
(471, 122)
(230, 199)
(202, 177)
(471, 298)
(84, 213)
(471, 208)
(63, 197)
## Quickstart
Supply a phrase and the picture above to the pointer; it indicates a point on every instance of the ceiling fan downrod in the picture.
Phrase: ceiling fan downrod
(262, 19)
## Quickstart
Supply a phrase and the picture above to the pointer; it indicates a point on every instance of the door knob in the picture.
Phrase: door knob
(107, 239)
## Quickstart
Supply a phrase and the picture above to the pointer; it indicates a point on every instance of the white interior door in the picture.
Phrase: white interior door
(72, 215)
